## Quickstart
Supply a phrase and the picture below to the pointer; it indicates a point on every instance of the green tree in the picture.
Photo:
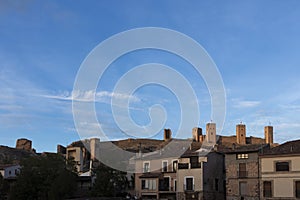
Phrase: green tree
(109, 182)
(44, 177)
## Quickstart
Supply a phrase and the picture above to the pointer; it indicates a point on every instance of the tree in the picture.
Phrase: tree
(44, 177)
(109, 182)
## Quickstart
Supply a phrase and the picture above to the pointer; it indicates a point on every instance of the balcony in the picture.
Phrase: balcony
(195, 165)
(242, 174)
(189, 187)
(164, 184)
(183, 165)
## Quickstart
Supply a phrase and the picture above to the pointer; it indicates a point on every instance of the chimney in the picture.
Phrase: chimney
(241, 133)
(269, 134)
(197, 132)
(211, 132)
(167, 134)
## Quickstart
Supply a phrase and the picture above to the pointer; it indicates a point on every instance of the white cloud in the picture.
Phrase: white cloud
(245, 104)
(91, 96)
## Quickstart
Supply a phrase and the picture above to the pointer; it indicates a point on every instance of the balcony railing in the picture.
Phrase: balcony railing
(242, 174)
(164, 188)
(188, 187)
(146, 170)
(183, 165)
(195, 165)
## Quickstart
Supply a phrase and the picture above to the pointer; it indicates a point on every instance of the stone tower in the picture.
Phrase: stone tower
(95, 148)
(167, 134)
(24, 144)
(211, 132)
(269, 134)
(197, 133)
(241, 133)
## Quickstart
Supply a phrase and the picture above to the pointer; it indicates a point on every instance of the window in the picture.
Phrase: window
(146, 167)
(282, 166)
(267, 189)
(217, 184)
(242, 170)
(165, 166)
(194, 162)
(242, 156)
(297, 184)
(175, 165)
(149, 184)
(189, 183)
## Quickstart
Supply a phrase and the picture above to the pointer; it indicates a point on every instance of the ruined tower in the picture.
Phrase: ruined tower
(24, 144)
(197, 133)
(167, 134)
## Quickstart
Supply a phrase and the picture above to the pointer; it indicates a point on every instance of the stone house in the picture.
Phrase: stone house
(242, 164)
(242, 171)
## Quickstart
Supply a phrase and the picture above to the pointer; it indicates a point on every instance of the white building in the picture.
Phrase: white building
(9, 171)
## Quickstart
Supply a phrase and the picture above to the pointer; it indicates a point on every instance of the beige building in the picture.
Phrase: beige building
(156, 176)
(200, 176)
(84, 153)
(195, 173)
(280, 172)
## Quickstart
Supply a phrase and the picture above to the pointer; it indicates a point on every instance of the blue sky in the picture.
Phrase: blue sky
(255, 45)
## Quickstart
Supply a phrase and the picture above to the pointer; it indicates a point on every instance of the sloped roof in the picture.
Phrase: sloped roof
(290, 147)
(237, 148)
(151, 175)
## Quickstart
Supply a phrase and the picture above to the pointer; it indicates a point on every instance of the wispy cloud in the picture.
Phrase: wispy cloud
(245, 103)
(91, 96)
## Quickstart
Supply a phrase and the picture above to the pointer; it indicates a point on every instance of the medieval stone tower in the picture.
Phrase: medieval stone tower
(167, 134)
(211, 132)
(241, 133)
(197, 134)
(269, 134)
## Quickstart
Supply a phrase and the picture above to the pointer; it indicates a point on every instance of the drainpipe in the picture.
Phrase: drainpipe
(259, 178)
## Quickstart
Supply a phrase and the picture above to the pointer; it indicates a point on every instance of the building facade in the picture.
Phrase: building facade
(242, 164)
(280, 172)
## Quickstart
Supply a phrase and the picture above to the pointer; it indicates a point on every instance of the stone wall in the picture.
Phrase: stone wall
(233, 180)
